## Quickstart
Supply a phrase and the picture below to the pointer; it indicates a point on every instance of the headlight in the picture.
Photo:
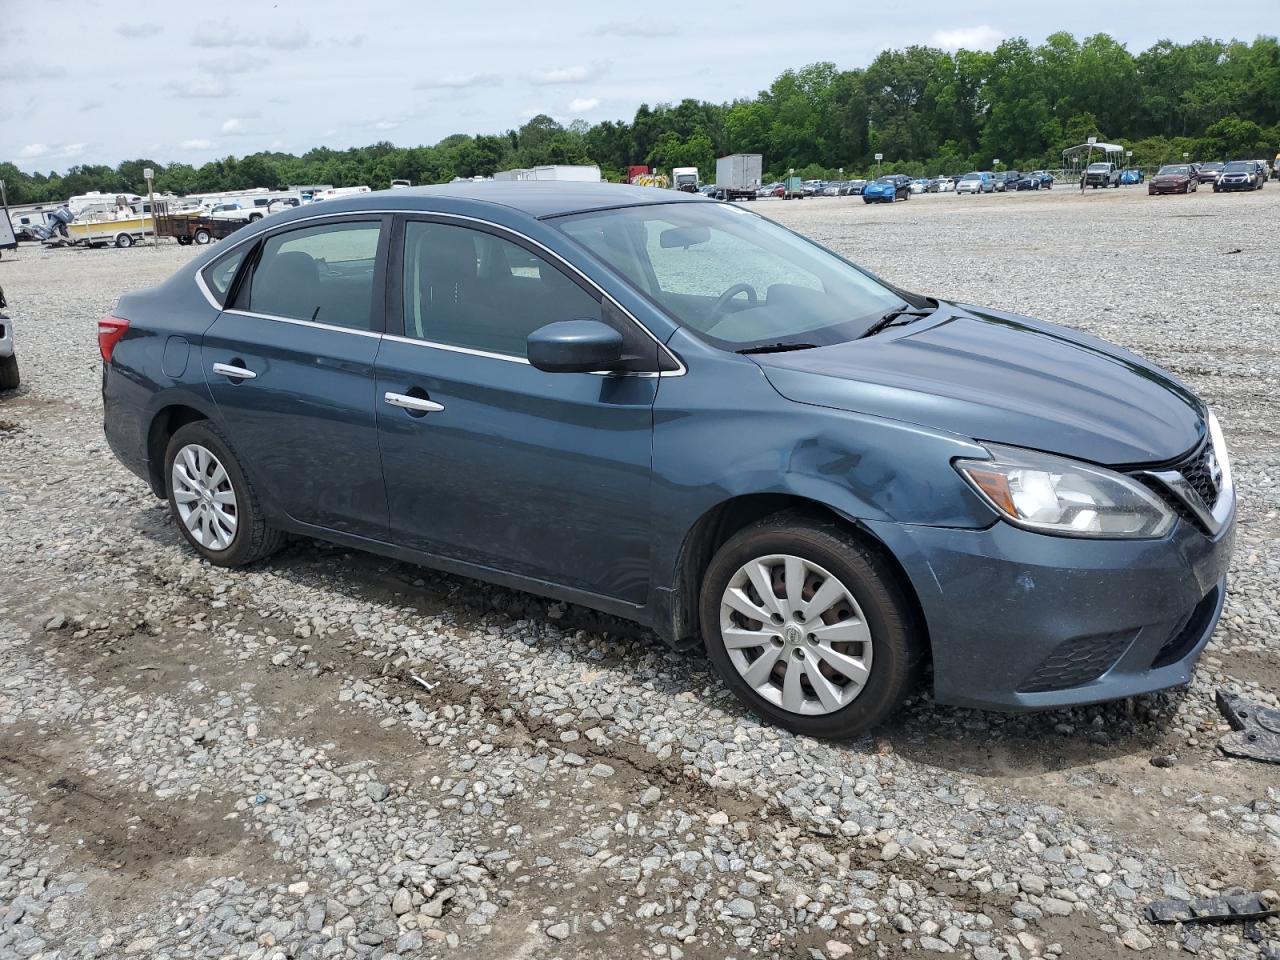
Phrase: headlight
(1056, 495)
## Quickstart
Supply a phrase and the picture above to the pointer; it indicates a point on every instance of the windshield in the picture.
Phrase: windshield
(1171, 169)
(1239, 166)
(735, 279)
(1099, 166)
(972, 176)
(1211, 165)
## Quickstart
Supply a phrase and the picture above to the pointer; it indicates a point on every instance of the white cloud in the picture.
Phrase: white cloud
(31, 71)
(584, 104)
(386, 124)
(70, 150)
(196, 144)
(460, 81)
(33, 151)
(574, 74)
(139, 30)
(221, 33)
(638, 28)
(231, 64)
(233, 125)
(291, 38)
(982, 37)
(199, 88)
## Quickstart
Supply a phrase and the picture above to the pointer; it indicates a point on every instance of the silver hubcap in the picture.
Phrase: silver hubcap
(204, 496)
(796, 634)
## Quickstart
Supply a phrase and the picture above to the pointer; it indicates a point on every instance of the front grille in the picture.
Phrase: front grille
(1077, 661)
(1180, 644)
(1199, 471)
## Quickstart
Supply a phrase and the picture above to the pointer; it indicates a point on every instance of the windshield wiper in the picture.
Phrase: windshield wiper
(894, 318)
(778, 347)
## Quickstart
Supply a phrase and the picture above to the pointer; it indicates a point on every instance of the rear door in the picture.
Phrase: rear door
(290, 366)
(488, 460)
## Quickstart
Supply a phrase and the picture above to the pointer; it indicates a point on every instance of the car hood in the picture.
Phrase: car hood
(1170, 177)
(1005, 379)
(872, 187)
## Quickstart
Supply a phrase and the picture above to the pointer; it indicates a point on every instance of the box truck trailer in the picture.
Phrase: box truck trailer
(738, 176)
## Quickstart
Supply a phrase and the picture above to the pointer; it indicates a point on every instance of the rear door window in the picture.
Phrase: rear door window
(322, 274)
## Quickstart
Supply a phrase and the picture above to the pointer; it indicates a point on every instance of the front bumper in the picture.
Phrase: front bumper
(1023, 621)
(1236, 185)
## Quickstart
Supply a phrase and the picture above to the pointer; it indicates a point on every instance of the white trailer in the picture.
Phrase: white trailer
(738, 176)
(580, 173)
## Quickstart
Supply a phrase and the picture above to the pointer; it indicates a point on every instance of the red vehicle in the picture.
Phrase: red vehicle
(1173, 178)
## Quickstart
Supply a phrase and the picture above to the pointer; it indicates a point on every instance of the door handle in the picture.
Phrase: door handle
(416, 404)
(234, 372)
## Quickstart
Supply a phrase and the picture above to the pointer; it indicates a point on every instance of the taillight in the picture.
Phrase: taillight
(110, 330)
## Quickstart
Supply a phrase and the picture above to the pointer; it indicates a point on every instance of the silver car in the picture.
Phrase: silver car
(8, 361)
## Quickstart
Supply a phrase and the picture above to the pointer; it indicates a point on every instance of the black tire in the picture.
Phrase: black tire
(124, 240)
(897, 641)
(253, 539)
(255, 217)
(9, 377)
(202, 237)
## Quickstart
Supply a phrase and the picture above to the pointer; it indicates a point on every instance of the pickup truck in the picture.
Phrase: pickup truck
(1102, 175)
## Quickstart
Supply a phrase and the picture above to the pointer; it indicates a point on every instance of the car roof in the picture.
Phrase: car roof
(534, 198)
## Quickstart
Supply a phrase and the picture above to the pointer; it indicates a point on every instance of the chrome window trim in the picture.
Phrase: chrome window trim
(680, 370)
(472, 352)
(305, 323)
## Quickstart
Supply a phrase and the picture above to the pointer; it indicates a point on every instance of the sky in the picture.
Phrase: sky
(87, 81)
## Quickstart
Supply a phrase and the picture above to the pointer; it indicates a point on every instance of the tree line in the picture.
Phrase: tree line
(926, 110)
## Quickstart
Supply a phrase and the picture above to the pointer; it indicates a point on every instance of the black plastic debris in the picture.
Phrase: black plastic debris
(1238, 906)
(1255, 730)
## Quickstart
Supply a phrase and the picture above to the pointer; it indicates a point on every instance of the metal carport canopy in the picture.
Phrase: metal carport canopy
(1087, 147)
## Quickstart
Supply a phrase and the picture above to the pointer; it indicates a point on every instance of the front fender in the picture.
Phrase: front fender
(723, 432)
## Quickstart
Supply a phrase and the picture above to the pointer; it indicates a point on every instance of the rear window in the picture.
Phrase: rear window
(219, 275)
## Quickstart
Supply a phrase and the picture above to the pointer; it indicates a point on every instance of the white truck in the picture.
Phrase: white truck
(684, 178)
(738, 176)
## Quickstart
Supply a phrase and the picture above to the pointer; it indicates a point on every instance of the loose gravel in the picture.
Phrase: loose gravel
(335, 755)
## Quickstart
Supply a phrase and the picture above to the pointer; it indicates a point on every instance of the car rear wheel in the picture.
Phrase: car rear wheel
(809, 627)
(215, 505)
(202, 236)
(9, 378)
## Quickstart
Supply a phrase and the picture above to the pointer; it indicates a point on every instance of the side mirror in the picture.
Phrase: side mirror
(575, 346)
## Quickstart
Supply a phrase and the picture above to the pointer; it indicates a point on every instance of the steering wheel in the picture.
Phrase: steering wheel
(722, 301)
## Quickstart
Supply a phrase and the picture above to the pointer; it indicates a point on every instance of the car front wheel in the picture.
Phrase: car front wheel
(216, 507)
(809, 627)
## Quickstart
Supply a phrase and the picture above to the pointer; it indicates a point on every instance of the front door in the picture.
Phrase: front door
(290, 365)
(489, 460)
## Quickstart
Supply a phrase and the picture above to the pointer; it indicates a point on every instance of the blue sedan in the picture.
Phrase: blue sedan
(895, 186)
(678, 412)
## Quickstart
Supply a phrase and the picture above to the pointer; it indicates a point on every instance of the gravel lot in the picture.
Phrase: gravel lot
(334, 755)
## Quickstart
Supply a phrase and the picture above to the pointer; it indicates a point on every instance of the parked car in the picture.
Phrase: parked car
(1025, 181)
(481, 379)
(946, 184)
(1238, 175)
(976, 182)
(813, 188)
(886, 189)
(1173, 178)
(1208, 172)
(1046, 179)
(920, 186)
(853, 188)
(1102, 174)
(9, 376)
(1131, 176)
(832, 189)
(288, 203)
(1262, 172)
